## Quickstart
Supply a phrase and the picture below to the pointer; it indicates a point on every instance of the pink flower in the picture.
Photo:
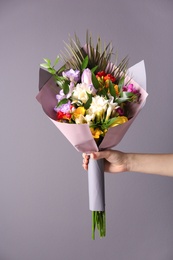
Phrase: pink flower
(87, 79)
(136, 93)
(130, 88)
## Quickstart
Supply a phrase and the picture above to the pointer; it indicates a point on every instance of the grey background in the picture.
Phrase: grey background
(43, 188)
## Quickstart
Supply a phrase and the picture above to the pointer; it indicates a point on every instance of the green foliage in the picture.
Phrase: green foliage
(61, 81)
(63, 101)
(121, 83)
(99, 222)
(125, 96)
(65, 87)
(88, 103)
(74, 56)
(112, 89)
(84, 63)
(95, 81)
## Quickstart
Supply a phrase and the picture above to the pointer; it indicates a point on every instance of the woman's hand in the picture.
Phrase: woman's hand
(115, 161)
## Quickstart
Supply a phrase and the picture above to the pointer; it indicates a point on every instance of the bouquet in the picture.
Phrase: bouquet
(92, 101)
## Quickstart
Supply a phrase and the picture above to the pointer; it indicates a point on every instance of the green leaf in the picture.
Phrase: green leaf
(125, 96)
(121, 83)
(95, 81)
(45, 65)
(112, 89)
(103, 92)
(65, 87)
(52, 71)
(61, 69)
(56, 61)
(107, 124)
(88, 103)
(121, 100)
(59, 80)
(47, 61)
(94, 69)
(111, 121)
(84, 63)
(63, 101)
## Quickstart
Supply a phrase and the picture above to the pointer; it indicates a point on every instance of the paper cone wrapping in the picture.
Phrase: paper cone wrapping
(96, 187)
(79, 135)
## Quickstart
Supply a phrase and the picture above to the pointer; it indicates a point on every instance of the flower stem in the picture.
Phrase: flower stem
(99, 222)
(93, 225)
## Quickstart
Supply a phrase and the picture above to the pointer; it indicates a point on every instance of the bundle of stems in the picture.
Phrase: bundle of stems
(99, 222)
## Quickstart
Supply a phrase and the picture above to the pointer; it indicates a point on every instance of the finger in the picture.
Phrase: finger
(100, 155)
(85, 166)
(85, 160)
(85, 155)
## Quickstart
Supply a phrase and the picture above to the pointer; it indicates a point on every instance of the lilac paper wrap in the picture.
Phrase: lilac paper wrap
(96, 184)
(80, 135)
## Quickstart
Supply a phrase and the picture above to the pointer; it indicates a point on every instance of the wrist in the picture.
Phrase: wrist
(128, 162)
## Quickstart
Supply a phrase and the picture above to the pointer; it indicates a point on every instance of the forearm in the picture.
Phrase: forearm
(160, 164)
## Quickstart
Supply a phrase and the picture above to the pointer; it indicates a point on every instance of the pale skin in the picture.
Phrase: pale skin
(117, 161)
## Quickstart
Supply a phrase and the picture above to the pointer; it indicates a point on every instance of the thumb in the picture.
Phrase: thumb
(98, 155)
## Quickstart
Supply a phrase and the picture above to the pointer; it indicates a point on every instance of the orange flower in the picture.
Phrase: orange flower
(109, 77)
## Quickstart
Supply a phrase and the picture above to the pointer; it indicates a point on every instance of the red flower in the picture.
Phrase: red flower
(109, 77)
(101, 74)
(61, 115)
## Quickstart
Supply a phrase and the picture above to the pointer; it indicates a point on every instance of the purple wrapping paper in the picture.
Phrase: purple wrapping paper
(96, 185)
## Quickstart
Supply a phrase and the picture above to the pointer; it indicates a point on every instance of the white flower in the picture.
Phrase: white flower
(99, 104)
(110, 108)
(80, 92)
(89, 117)
(98, 107)
(80, 119)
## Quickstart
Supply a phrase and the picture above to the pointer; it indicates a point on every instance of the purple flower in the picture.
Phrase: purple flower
(65, 108)
(120, 111)
(136, 93)
(87, 79)
(72, 75)
(61, 94)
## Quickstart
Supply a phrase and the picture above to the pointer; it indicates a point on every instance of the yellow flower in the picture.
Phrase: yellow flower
(116, 89)
(78, 112)
(96, 132)
(120, 120)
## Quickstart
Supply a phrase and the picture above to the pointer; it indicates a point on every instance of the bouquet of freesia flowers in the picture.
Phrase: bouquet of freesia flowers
(93, 102)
